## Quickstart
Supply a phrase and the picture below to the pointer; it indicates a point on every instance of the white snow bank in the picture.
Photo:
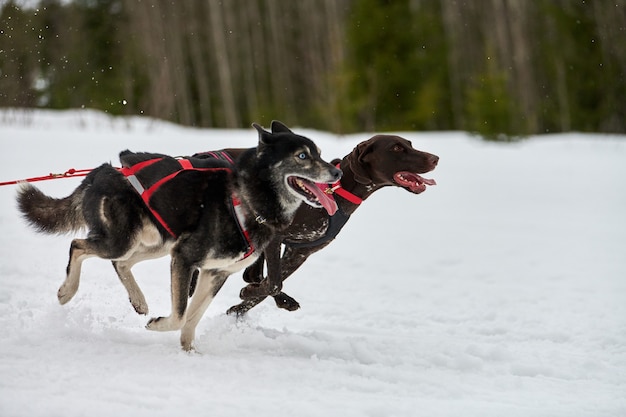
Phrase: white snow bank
(499, 292)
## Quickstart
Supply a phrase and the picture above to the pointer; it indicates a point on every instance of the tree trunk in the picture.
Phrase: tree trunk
(227, 95)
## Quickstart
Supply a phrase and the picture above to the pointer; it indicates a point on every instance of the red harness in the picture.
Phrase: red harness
(336, 188)
(336, 222)
(185, 165)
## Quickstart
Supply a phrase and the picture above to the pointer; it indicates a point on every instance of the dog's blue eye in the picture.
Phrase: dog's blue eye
(302, 155)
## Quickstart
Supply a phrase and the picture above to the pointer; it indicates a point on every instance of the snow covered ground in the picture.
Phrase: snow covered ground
(499, 292)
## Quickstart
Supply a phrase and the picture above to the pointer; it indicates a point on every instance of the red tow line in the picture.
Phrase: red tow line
(70, 173)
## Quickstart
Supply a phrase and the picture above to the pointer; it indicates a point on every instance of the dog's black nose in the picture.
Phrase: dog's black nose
(336, 173)
(433, 159)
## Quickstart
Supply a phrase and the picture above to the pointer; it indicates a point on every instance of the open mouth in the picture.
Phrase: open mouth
(412, 182)
(312, 194)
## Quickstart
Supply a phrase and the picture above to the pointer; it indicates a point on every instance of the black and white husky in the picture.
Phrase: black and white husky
(208, 215)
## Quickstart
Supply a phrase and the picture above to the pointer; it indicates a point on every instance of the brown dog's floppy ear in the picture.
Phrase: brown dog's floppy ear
(358, 164)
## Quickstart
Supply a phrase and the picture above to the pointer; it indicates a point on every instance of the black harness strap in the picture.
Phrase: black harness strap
(335, 224)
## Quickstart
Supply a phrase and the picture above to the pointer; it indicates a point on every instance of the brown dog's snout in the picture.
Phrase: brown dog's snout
(433, 160)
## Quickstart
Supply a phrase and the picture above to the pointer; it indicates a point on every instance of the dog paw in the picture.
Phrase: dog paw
(250, 291)
(66, 293)
(164, 324)
(239, 310)
(153, 323)
(159, 324)
(286, 302)
(186, 343)
(189, 348)
(259, 290)
(140, 307)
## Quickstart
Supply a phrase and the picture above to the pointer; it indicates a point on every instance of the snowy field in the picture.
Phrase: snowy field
(499, 292)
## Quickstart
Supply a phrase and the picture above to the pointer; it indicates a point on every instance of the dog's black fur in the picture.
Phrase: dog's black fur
(197, 206)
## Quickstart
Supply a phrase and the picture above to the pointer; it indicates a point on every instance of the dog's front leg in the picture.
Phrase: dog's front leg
(209, 282)
(181, 271)
(291, 260)
(273, 283)
(254, 273)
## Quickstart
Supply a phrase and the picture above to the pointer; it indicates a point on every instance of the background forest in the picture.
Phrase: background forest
(511, 67)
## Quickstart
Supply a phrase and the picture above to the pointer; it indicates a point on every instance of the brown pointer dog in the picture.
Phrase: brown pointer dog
(383, 160)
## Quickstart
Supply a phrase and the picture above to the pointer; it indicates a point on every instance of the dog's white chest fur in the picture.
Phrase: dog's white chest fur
(230, 265)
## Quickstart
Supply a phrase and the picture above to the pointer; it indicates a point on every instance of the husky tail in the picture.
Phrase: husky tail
(51, 215)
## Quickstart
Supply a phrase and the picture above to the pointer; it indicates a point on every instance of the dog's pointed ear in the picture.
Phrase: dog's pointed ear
(279, 127)
(259, 128)
(265, 137)
(358, 163)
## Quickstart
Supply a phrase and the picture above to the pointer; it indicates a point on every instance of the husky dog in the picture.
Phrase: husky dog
(208, 216)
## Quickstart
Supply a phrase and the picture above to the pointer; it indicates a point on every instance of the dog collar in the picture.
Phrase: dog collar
(336, 188)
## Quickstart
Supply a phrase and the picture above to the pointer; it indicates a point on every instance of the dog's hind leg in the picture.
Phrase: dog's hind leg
(80, 249)
(208, 284)
(150, 246)
(273, 283)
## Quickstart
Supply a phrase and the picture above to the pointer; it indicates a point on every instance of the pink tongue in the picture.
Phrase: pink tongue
(414, 182)
(327, 201)
(427, 181)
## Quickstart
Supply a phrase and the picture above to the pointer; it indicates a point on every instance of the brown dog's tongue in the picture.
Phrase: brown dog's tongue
(326, 200)
(428, 181)
(413, 182)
